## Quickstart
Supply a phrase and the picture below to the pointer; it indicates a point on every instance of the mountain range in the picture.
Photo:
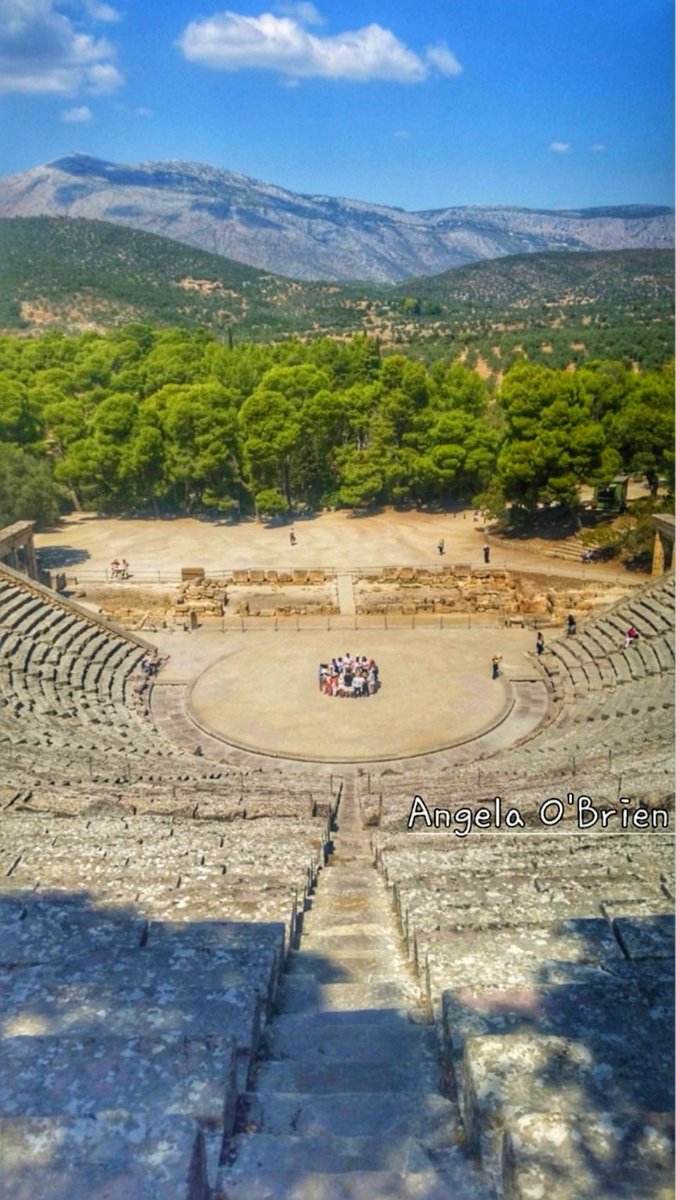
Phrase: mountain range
(315, 237)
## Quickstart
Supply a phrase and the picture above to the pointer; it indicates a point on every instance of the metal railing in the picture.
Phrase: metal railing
(291, 576)
(310, 623)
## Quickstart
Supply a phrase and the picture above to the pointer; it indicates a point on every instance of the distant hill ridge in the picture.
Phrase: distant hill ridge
(314, 237)
(77, 275)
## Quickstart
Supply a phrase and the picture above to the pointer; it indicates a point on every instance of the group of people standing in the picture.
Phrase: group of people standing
(348, 676)
(119, 569)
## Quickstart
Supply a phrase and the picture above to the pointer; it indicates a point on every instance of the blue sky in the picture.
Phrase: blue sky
(559, 103)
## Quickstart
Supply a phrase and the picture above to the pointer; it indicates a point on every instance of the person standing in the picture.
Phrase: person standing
(495, 666)
(539, 643)
(487, 553)
(441, 546)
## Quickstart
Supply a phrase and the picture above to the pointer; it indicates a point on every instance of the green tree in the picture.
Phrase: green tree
(271, 503)
(642, 430)
(552, 443)
(271, 429)
(28, 491)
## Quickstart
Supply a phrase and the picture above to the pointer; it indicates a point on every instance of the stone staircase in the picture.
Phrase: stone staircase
(347, 1100)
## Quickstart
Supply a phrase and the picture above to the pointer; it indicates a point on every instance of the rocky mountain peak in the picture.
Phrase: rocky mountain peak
(314, 236)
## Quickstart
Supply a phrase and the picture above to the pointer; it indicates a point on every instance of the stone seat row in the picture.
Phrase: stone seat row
(54, 701)
(548, 963)
(597, 656)
(575, 853)
(115, 830)
(69, 771)
(188, 800)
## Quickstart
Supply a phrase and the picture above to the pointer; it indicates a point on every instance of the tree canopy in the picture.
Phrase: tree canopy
(174, 420)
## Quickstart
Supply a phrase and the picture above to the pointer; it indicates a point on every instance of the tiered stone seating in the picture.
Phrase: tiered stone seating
(596, 656)
(132, 1010)
(548, 962)
(61, 664)
(145, 918)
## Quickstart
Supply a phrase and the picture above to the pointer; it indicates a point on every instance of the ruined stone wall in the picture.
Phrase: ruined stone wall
(544, 598)
(462, 590)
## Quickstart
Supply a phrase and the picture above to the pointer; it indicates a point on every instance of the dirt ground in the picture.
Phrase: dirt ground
(84, 544)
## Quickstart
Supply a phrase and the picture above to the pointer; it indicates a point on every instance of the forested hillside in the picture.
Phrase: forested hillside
(174, 420)
(559, 309)
(76, 274)
(555, 309)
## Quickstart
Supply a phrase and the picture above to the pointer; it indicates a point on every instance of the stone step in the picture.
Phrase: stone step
(353, 870)
(318, 927)
(116, 1156)
(431, 1184)
(350, 906)
(302, 993)
(342, 968)
(334, 879)
(310, 1185)
(305, 1040)
(382, 941)
(251, 1153)
(329, 1077)
(429, 1116)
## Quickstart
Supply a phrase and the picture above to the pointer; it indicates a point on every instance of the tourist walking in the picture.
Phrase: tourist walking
(487, 553)
(495, 666)
(539, 643)
(441, 546)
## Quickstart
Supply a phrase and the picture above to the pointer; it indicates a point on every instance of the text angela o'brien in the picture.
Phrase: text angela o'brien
(627, 813)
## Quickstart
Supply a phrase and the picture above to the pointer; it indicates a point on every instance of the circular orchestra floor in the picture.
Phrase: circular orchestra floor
(436, 691)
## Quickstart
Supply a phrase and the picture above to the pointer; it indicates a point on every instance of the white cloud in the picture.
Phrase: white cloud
(596, 148)
(102, 78)
(560, 147)
(77, 116)
(42, 51)
(402, 133)
(304, 12)
(101, 12)
(231, 42)
(139, 111)
(443, 59)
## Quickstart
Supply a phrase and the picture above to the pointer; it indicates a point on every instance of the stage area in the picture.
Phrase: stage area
(436, 691)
